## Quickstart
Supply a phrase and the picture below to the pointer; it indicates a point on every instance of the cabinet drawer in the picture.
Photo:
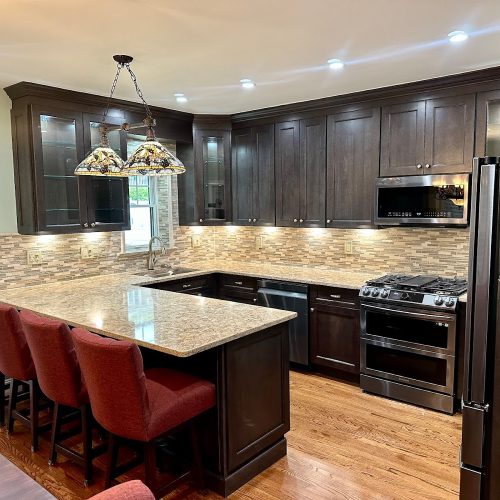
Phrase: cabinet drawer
(234, 295)
(334, 296)
(244, 283)
(189, 285)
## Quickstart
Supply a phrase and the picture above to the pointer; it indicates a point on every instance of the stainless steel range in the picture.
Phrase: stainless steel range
(408, 338)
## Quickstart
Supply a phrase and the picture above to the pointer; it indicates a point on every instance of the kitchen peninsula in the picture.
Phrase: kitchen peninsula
(240, 348)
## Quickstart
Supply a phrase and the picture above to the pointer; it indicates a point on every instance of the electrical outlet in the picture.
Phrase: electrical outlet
(259, 242)
(195, 241)
(87, 253)
(35, 257)
(348, 247)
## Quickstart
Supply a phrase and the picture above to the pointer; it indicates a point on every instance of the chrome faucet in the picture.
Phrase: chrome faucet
(152, 257)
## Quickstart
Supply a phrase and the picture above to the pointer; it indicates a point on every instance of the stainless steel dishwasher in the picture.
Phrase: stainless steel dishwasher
(289, 297)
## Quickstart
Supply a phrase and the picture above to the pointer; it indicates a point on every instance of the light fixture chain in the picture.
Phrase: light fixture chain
(139, 92)
(113, 87)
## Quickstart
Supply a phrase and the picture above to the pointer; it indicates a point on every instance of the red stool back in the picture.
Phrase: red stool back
(15, 356)
(114, 374)
(53, 353)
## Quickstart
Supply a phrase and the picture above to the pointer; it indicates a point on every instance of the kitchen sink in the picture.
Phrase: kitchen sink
(160, 273)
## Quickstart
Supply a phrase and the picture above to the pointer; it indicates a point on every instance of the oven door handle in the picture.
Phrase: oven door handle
(409, 313)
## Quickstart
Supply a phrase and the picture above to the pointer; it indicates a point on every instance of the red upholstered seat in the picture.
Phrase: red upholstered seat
(131, 403)
(15, 356)
(131, 490)
(53, 353)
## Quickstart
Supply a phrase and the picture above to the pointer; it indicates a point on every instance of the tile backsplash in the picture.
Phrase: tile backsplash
(414, 250)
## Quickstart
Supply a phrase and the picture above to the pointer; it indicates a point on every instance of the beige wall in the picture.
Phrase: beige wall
(8, 223)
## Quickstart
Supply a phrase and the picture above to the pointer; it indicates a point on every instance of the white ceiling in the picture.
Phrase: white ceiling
(204, 47)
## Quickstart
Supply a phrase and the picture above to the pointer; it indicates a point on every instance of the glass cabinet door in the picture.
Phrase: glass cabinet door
(107, 197)
(214, 178)
(58, 142)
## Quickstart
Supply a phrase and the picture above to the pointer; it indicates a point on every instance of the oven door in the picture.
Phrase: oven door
(409, 346)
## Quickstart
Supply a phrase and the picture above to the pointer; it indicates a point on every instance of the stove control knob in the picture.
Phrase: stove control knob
(375, 292)
(405, 296)
(449, 302)
(384, 294)
(438, 300)
(366, 292)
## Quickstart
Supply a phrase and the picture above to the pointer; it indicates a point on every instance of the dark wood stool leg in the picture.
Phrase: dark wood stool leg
(56, 427)
(2, 399)
(34, 409)
(111, 459)
(14, 387)
(87, 442)
(150, 466)
(197, 467)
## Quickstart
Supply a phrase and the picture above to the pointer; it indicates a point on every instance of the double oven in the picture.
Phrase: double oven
(408, 353)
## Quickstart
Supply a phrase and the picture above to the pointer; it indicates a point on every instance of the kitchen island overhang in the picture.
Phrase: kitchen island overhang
(242, 349)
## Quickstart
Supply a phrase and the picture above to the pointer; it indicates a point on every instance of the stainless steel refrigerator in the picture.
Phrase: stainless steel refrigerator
(480, 452)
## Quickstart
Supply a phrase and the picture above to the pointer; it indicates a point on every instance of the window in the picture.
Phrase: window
(150, 205)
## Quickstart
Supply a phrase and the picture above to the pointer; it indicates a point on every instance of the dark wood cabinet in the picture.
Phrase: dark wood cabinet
(334, 329)
(435, 136)
(300, 163)
(238, 288)
(212, 175)
(488, 124)
(353, 145)
(49, 141)
(204, 286)
(252, 174)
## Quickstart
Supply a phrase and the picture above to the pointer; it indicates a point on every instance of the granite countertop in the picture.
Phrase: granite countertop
(174, 323)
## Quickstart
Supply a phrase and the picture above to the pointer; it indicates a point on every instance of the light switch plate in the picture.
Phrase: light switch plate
(195, 241)
(259, 242)
(87, 253)
(348, 247)
(35, 257)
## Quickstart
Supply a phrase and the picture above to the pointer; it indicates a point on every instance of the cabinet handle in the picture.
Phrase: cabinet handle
(328, 221)
(249, 220)
(255, 220)
(419, 166)
(427, 165)
(294, 220)
(312, 309)
(301, 220)
(85, 224)
(255, 300)
(187, 285)
(92, 224)
(201, 220)
(335, 296)
(238, 282)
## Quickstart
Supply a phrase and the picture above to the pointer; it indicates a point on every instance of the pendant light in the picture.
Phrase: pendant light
(150, 158)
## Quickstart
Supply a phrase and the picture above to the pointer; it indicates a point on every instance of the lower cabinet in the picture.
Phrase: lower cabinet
(238, 288)
(334, 329)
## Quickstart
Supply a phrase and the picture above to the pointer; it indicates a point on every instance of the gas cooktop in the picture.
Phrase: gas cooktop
(429, 291)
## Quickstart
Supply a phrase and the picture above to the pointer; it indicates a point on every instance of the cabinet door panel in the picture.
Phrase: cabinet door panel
(313, 172)
(264, 192)
(402, 141)
(335, 338)
(488, 124)
(449, 134)
(287, 173)
(242, 176)
(352, 167)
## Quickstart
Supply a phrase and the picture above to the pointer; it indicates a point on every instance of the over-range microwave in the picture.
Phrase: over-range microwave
(422, 200)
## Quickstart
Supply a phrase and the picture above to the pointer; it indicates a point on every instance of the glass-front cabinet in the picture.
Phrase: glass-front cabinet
(212, 171)
(50, 197)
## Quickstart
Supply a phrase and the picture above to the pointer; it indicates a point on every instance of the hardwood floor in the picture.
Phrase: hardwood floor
(343, 445)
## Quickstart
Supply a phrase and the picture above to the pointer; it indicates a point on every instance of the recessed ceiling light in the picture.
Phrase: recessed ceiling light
(336, 63)
(457, 36)
(246, 83)
(180, 97)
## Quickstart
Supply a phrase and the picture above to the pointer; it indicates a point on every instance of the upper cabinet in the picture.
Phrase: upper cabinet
(252, 174)
(435, 136)
(300, 167)
(352, 167)
(488, 124)
(48, 143)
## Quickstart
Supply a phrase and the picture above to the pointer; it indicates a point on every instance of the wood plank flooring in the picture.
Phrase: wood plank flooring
(343, 445)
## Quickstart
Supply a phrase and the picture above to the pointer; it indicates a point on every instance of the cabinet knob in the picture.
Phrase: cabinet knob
(187, 285)
(427, 165)
(85, 224)
(249, 220)
(419, 166)
(255, 220)
(294, 220)
(92, 224)
(255, 300)
(328, 221)
(201, 220)
(312, 309)
(301, 220)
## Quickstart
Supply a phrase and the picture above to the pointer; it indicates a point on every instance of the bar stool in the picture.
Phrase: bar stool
(16, 362)
(140, 406)
(51, 345)
(131, 490)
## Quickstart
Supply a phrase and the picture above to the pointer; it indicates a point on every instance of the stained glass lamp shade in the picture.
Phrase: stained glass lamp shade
(152, 158)
(101, 161)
